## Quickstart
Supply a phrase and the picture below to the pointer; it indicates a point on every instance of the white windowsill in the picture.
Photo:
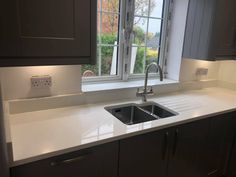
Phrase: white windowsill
(91, 87)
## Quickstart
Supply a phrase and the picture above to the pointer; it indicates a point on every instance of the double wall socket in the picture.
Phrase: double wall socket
(41, 81)
(202, 71)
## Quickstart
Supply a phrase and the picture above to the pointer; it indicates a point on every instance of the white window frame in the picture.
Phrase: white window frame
(124, 59)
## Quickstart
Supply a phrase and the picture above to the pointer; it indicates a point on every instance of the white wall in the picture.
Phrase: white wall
(189, 67)
(227, 71)
(16, 81)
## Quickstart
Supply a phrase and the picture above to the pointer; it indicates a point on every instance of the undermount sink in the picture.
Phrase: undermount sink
(158, 110)
(137, 113)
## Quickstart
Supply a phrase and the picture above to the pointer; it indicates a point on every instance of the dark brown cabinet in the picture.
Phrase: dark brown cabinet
(47, 32)
(175, 152)
(144, 155)
(218, 144)
(100, 161)
(186, 155)
(210, 32)
(225, 29)
(231, 171)
(198, 32)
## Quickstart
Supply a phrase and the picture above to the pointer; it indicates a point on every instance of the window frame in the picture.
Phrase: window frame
(123, 62)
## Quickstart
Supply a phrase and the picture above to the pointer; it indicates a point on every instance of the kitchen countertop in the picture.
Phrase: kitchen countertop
(41, 134)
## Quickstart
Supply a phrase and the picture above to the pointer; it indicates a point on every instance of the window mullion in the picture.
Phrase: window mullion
(100, 41)
(165, 35)
(128, 33)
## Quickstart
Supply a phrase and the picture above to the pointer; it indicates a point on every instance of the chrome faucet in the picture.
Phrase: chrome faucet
(148, 90)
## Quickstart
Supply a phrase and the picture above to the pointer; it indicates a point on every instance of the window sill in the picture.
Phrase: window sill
(92, 87)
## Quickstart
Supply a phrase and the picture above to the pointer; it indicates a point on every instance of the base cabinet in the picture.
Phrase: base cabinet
(186, 155)
(218, 144)
(100, 161)
(231, 172)
(144, 155)
(175, 152)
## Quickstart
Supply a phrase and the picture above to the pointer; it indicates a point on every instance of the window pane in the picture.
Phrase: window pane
(151, 56)
(139, 30)
(110, 6)
(106, 64)
(108, 32)
(90, 70)
(156, 8)
(143, 56)
(108, 60)
(147, 34)
(141, 7)
(154, 30)
(152, 8)
(137, 60)
(107, 40)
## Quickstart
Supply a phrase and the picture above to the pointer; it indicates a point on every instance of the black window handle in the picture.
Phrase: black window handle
(176, 141)
(68, 161)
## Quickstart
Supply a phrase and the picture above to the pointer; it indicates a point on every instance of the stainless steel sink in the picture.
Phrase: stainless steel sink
(137, 113)
(157, 110)
(130, 114)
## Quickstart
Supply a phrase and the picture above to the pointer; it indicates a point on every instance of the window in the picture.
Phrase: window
(131, 35)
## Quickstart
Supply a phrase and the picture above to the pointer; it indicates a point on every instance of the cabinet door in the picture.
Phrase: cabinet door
(41, 32)
(197, 41)
(144, 155)
(218, 144)
(186, 155)
(225, 28)
(99, 161)
(231, 171)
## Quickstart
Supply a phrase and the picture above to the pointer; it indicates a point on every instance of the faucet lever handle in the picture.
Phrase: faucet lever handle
(138, 90)
(151, 90)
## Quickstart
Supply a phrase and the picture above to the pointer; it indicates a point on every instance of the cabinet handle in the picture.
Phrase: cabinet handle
(68, 161)
(166, 144)
(176, 141)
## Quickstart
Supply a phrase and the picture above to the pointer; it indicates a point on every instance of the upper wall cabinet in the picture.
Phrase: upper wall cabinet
(47, 32)
(225, 29)
(210, 29)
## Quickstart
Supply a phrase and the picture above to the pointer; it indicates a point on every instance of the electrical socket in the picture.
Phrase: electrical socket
(41, 81)
(202, 71)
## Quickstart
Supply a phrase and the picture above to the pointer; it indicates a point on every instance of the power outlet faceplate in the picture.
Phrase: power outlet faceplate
(202, 71)
(44, 81)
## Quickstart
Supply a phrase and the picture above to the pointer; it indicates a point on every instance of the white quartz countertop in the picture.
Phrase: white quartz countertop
(41, 134)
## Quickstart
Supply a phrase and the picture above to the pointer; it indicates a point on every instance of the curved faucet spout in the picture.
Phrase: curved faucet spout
(145, 91)
(158, 69)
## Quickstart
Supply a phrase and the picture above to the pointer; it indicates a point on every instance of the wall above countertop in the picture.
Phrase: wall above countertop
(189, 68)
(17, 85)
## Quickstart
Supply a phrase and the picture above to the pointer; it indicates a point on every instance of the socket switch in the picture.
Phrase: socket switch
(41, 81)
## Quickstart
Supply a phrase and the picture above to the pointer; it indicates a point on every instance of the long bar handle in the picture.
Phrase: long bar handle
(166, 144)
(176, 141)
(68, 161)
